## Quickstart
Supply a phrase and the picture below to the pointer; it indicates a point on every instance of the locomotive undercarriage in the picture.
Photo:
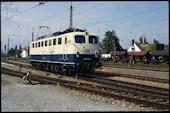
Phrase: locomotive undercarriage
(79, 68)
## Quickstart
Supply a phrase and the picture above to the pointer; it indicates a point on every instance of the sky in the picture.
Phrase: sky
(129, 19)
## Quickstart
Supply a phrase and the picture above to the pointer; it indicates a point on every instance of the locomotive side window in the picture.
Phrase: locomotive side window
(59, 40)
(93, 39)
(54, 41)
(79, 39)
(38, 44)
(49, 42)
(42, 44)
(65, 40)
(46, 43)
(33, 45)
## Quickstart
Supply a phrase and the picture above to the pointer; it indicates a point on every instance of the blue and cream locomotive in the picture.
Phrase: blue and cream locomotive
(71, 51)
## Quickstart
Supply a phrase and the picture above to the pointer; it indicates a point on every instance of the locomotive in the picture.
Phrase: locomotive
(71, 51)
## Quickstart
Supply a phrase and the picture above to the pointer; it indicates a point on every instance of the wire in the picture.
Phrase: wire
(145, 11)
(40, 4)
(81, 11)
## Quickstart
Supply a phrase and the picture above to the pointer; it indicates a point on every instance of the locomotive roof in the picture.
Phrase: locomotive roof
(60, 33)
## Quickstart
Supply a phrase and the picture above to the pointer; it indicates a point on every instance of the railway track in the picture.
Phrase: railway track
(139, 67)
(147, 97)
(159, 80)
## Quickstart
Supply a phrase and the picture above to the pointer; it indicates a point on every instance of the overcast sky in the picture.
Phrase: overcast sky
(128, 19)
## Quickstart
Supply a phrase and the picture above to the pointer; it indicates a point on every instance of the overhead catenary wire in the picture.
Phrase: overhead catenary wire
(25, 11)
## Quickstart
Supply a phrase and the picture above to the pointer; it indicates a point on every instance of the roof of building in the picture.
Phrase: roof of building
(140, 47)
(26, 48)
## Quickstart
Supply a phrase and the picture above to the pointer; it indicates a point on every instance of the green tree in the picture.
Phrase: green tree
(109, 41)
(11, 52)
(155, 41)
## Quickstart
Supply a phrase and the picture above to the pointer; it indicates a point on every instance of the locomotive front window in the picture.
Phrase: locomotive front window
(93, 39)
(79, 39)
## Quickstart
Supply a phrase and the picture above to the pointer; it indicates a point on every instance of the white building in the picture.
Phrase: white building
(24, 53)
(137, 47)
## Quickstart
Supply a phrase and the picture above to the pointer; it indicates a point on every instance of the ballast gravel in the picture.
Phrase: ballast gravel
(21, 96)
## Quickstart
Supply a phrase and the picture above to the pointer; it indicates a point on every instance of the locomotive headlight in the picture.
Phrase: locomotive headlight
(96, 55)
(77, 55)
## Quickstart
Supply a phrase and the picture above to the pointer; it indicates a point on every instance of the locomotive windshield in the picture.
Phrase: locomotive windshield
(93, 39)
(79, 39)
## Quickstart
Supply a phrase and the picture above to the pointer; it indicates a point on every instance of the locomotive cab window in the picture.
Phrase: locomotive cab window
(93, 39)
(79, 39)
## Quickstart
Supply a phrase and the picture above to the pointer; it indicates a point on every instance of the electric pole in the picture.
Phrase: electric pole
(114, 47)
(32, 34)
(8, 46)
(71, 16)
(133, 48)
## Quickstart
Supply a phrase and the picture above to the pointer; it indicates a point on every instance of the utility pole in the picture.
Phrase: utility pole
(114, 47)
(28, 48)
(32, 34)
(133, 48)
(71, 16)
(8, 46)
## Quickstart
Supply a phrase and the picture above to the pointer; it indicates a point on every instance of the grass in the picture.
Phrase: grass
(3, 82)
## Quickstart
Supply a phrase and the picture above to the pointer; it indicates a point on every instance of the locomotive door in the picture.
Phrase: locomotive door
(65, 49)
(51, 49)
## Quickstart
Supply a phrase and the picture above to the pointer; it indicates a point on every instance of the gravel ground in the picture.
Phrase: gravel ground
(21, 96)
(146, 73)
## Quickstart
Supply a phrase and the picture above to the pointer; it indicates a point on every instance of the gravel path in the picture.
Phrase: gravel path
(21, 96)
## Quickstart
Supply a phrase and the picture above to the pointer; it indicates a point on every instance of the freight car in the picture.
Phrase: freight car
(71, 51)
(145, 57)
(159, 57)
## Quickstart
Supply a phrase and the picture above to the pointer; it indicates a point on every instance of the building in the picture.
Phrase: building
(25, 52)
(137, 47)
(146, 47)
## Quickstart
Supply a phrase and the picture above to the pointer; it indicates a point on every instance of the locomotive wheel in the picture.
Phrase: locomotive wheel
(51, 68)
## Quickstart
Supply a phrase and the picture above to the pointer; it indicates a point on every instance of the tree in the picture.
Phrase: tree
(141, 40)
(109, 41)
(11, 52)
(155, 41)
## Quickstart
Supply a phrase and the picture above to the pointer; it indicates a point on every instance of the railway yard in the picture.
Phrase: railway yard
(109, 88)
